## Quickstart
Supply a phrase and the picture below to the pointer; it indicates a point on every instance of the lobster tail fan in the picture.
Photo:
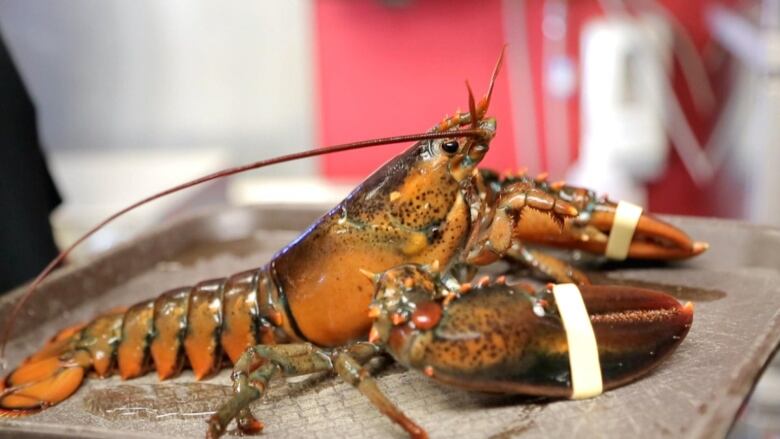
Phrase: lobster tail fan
(39, 384)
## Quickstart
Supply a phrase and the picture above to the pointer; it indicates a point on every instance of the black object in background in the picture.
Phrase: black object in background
(27, 192)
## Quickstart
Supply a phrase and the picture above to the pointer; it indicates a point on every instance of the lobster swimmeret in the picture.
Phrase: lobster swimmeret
(430, 207)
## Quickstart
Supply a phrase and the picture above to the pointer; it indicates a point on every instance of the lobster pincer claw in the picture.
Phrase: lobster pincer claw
(652, 239)
(635, 329)
(511, 338)
(597, 229)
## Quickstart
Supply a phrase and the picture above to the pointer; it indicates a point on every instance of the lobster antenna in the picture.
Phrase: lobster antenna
(493, 77)
(216, 175)
(472, 107)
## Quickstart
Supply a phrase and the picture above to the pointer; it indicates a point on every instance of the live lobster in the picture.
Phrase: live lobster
(418, 216)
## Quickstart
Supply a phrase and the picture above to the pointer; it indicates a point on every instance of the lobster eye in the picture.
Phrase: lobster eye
(450, 147)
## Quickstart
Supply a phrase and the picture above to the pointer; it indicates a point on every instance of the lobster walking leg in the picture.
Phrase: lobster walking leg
(251, 374)
(549, 266)
(351, 371)
(259, 364)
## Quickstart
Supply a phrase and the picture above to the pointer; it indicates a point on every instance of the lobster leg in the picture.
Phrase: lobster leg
(351, 371)
(251, 374)
(549, 266)
(259, 364)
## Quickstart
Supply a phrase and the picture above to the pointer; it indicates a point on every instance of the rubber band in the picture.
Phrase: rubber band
(583, 351)
(623, 228)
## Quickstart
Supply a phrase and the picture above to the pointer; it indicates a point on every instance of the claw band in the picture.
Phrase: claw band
(626, 218)
(583, 351)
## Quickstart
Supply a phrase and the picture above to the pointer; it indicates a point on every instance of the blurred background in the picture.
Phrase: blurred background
(673, 105)
(668, 104)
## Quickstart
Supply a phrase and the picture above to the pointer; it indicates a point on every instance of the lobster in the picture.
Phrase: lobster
(310, 306)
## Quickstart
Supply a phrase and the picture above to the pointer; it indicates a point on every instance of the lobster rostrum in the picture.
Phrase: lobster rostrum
(429, 206)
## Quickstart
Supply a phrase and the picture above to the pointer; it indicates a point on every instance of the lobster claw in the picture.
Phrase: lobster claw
(635, 329)
(653, 238)
(501, 338)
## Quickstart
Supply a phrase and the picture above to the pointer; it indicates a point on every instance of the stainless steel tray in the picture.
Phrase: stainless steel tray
(696, 394)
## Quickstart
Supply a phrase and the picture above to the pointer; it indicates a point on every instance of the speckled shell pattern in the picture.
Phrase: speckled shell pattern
(196, 325)
(410, 210)
(499, 339)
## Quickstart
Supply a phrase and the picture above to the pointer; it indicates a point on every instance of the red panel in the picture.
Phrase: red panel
(393, 70)
(390, 70)
(674, 192)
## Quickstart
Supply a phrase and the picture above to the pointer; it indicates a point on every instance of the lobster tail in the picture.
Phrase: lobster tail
(54, 373)
(192, 323)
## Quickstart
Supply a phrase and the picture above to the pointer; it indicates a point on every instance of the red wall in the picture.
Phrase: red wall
(387, 70)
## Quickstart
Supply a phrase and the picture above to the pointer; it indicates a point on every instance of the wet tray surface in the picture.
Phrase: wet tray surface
(696, 393)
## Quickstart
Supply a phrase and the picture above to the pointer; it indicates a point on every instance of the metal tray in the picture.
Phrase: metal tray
(696, 394)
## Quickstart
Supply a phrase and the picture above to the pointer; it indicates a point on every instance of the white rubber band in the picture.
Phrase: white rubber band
(583, 351)
(623, 228)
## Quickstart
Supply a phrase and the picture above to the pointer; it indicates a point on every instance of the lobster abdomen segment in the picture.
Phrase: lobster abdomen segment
(137, 327)
(201, 342)
(239, 304)
(229, 314)
(170, 326)
(100, 338)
